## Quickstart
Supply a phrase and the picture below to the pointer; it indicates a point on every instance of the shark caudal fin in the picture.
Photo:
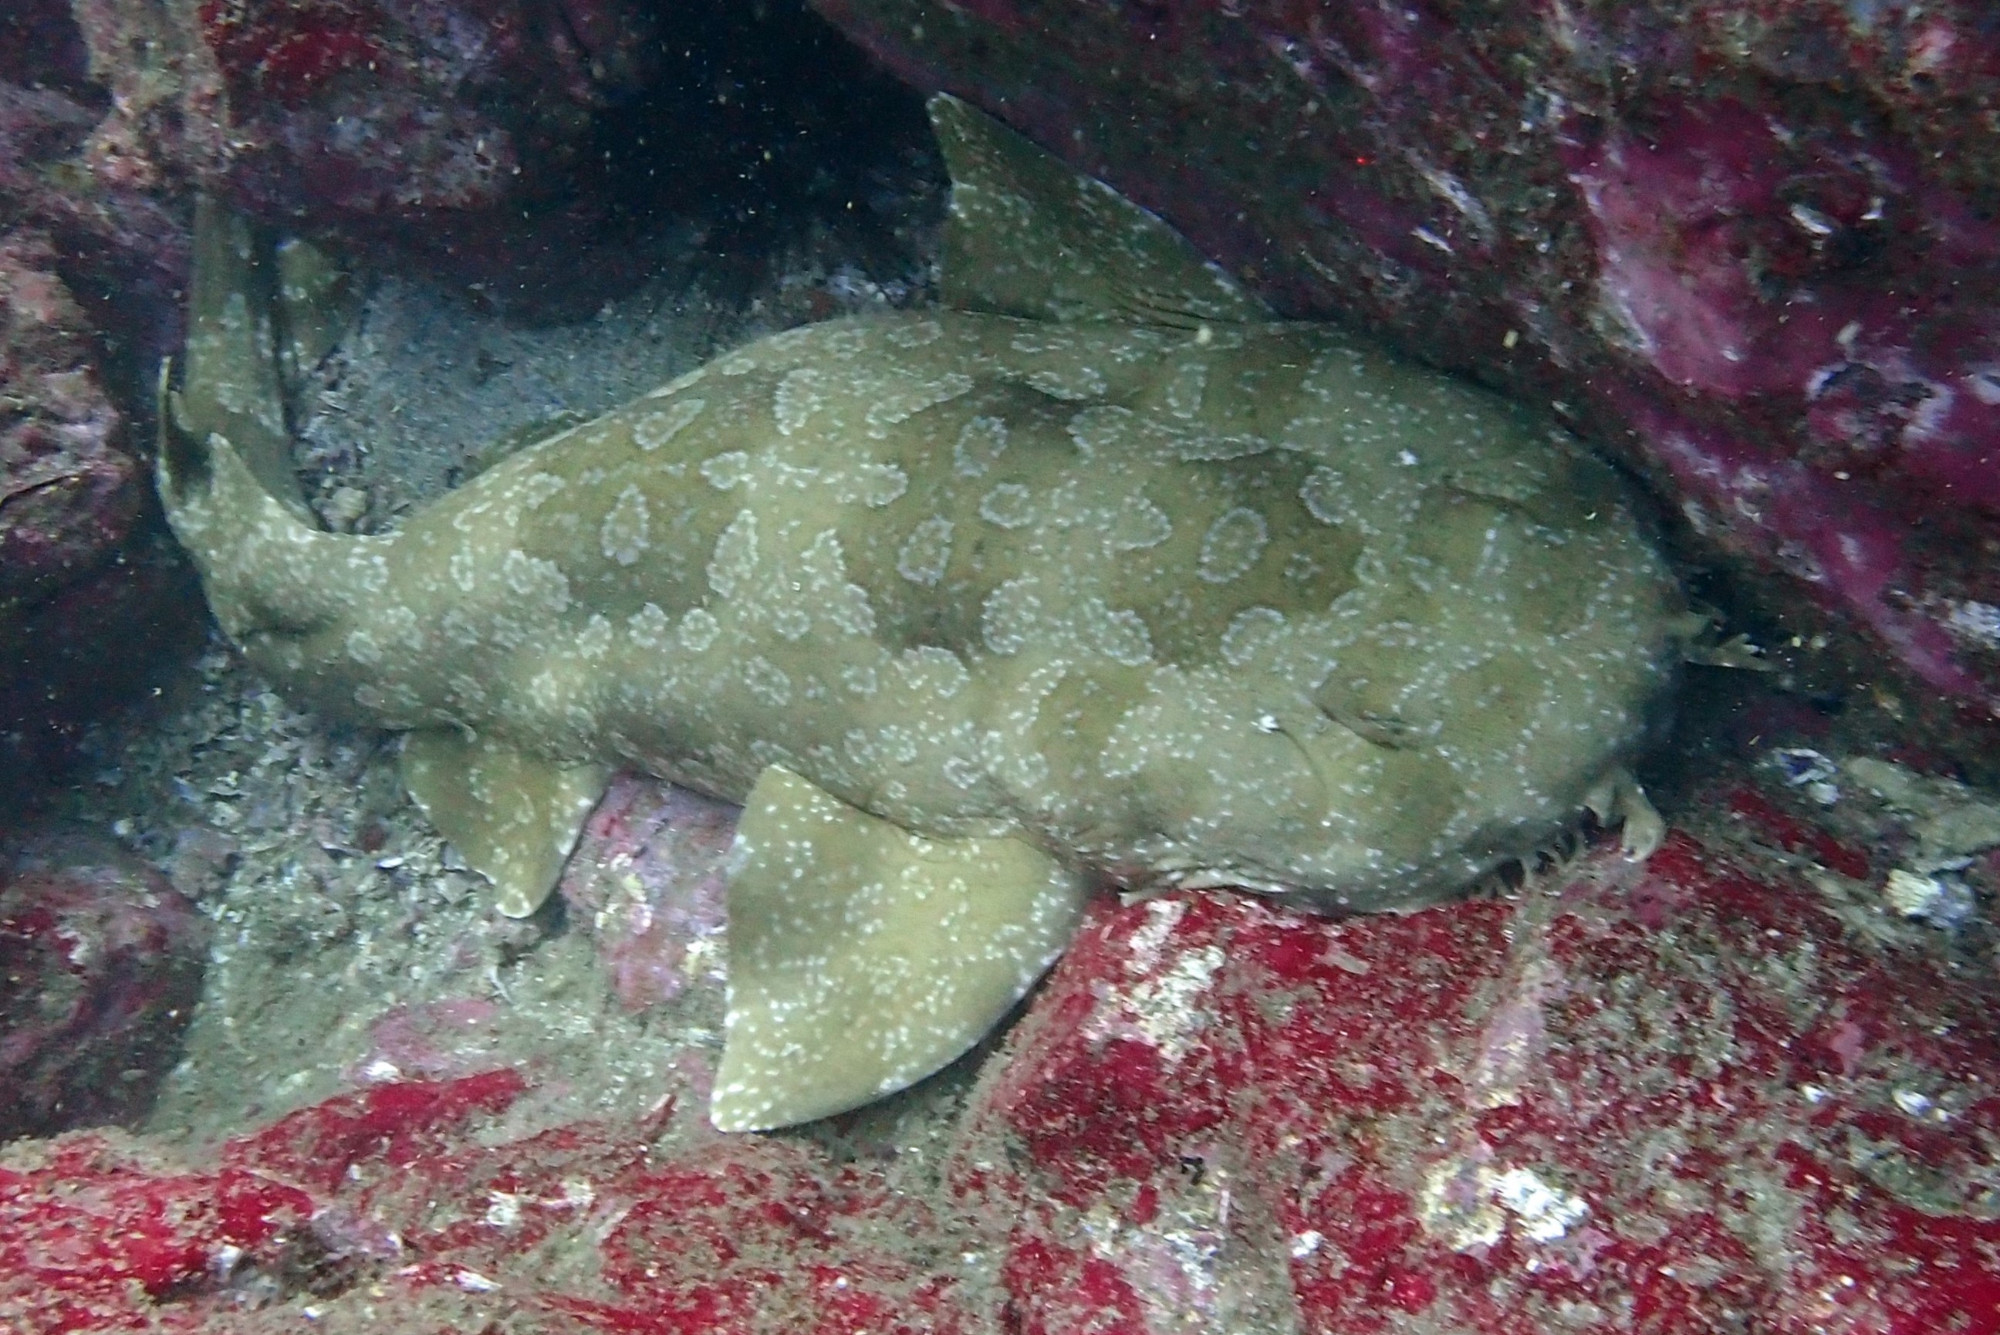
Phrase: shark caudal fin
(224, 469)
(288, 591)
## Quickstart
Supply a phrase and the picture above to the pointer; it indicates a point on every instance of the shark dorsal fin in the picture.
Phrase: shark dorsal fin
(1029, 236)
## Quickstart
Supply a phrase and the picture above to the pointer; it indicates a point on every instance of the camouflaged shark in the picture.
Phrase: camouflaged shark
(1099, 571)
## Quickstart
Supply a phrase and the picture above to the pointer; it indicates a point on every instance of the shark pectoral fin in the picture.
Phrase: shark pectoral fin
(513, 817)
(863, 957)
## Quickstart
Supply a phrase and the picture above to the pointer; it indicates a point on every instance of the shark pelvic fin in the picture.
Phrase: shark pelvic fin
(513, 816)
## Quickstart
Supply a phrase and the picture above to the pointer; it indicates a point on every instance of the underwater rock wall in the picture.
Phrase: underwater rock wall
(100, 969)
(1749, 245)
(1750, 1082)
(78, 568)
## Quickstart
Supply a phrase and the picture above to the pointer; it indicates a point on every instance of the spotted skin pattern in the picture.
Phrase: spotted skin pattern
(1214, 602)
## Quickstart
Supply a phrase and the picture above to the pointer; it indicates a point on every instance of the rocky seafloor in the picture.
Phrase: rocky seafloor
(1751, 1086)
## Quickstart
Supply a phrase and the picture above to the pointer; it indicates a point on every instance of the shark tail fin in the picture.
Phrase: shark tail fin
(224, 469)
(265, 568)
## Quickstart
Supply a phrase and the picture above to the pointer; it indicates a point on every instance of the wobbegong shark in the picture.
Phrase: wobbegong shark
(1098, 572)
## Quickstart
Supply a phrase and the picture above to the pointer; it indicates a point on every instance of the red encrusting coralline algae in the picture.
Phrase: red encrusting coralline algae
(1662, 1099)
(1700, 1094)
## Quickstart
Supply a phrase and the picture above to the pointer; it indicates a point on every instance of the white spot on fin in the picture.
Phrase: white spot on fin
(726, 471)
(980, 442)
(798, 397)
(1248, 631)
(1010, 614)
(1010, 505)
(1139, 524)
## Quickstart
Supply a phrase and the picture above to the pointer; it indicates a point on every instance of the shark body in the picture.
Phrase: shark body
(1096, 571)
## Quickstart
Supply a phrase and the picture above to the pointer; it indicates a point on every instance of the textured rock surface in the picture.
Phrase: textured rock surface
(647, 883)
(99, 113)
(547, 154)
(379, 117)
(67, 660)
(68, 491)
(79, 570)
(1748, 244)
(1663, 1100)
(1673, 1008)
(1737, 1086)
(90, 267)
(100, 967)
